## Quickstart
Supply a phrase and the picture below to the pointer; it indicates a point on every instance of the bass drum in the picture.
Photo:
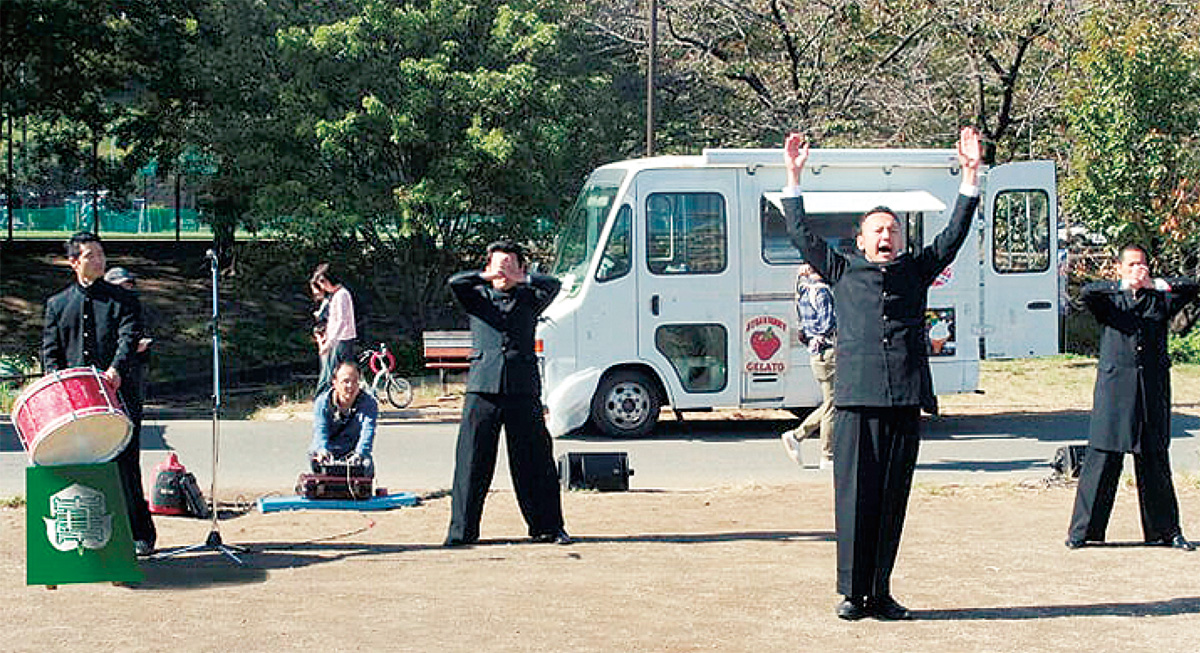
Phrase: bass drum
(72, 417)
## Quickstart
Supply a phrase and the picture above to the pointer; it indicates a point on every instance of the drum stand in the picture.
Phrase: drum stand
(214, 542)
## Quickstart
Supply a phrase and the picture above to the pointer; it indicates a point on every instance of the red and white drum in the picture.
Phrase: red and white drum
(72, 417)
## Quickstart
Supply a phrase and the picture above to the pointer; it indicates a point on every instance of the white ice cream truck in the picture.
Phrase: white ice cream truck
(678, 279)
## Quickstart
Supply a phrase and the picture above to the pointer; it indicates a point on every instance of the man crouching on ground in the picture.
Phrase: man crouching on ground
(344, 420)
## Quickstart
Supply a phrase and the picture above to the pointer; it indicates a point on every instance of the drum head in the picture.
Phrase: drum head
(92, 439)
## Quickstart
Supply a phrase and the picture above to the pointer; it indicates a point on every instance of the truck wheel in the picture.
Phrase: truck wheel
(626, 405)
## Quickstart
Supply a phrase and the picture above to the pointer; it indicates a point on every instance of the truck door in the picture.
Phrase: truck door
(1020, 261)
(688, 297)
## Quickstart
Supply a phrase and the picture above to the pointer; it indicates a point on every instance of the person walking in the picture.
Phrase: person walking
(504, 389)
(883, 377)
(336, 342)
(818, 331)
(1131, 404)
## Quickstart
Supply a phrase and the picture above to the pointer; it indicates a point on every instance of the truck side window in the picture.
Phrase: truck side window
(686, 233)
(838, 229)
(617, 258)
(698, 354)
(1021, 232)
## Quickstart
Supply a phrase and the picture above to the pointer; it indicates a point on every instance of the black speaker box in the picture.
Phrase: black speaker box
(607, 472)
(1068, 460)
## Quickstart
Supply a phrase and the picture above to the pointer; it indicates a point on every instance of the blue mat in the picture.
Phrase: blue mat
(295, 502)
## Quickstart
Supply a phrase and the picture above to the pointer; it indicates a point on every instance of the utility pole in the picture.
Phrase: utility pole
(653, 46)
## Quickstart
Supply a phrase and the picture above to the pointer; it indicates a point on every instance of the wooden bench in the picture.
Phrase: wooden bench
(447, 350)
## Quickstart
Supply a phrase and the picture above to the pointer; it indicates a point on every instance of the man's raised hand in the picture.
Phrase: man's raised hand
(970, 154)
(795, 155)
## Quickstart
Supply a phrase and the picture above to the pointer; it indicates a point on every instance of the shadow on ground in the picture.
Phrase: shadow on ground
(152, 438)
(1057, 426)
(1167, 608)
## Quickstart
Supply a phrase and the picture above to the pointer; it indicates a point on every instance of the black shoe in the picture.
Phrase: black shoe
(457, 542)
(852, 609)
(1181, 542)
(886, 608)
(1073, 543)
(558, 537)
(143, 548)
(1176, 541)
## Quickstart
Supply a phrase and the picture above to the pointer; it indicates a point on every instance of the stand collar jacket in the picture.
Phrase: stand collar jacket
(1131, 402)
(95, 326)
(882, 345)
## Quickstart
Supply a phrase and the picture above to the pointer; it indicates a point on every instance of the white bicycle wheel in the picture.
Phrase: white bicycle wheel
(399, 391)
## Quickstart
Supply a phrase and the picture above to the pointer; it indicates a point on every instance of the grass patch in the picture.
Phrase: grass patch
(13, 502)
(1056, 383)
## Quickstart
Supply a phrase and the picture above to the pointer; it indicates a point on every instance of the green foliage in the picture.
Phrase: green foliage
(13, 366)
(1133, 110)
(92, 81)
(1184, 349)
(403, 136)
(420, 115)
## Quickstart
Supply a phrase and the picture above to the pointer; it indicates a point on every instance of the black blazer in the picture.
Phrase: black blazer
(881, 343)
(502, 327)
(1133, 376)
(118, 324)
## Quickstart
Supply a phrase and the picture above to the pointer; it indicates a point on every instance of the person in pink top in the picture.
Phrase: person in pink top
(336, 344)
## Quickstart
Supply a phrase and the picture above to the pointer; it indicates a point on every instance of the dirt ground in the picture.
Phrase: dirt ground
(747, 568)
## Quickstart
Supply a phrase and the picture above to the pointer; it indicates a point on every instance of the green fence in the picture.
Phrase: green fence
(79, 216)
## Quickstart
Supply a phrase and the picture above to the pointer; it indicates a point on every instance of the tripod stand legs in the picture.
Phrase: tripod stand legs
(213, 543)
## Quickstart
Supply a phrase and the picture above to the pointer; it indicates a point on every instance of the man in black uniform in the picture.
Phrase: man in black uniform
(883, 378)
(93, 323)
(503, 388)
(1131, 405)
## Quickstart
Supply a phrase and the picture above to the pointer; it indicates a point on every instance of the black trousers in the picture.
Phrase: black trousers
(1098, 481)
(530, 462)
(129, 467)
(874, 457)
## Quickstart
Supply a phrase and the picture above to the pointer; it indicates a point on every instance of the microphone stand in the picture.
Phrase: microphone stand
(214, 542)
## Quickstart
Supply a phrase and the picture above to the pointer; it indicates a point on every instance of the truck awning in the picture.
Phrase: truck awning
(907, 201)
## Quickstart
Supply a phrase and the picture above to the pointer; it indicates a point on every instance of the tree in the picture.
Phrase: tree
(851, 73)
(106, 69)
(1133, 115)
(397, 137)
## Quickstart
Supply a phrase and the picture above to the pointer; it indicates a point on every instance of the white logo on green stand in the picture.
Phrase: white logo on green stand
(80, 519)
(76, 526)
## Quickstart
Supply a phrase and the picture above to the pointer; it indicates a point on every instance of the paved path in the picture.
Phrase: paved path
(415, 451)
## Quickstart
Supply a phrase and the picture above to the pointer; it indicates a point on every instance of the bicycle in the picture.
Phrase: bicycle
(398, 390)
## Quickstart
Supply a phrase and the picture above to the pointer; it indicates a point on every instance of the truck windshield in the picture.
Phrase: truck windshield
(580, 235)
